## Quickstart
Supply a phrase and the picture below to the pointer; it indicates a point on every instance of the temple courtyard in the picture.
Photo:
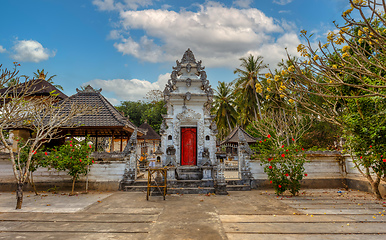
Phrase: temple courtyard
(256, 214)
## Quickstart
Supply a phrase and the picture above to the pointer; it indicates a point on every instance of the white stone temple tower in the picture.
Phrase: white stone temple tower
(188, 133)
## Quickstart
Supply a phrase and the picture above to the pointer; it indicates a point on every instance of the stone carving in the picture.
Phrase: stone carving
(188, 57)
(188, 96)
(188, 67)
(188, 82)
(131, 146)
(170, 156)
(189, 116)
(213, 127)
(199, 68)
(203, 75)
(178, 67)
(205, 157)
(163, 127)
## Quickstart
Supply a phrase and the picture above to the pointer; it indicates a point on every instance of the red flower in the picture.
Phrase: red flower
(384, 160)
(279, 186)
(360, 157)
(70, 157)
(286, 174)
(282, 146)
(80, 160)
(296, 150)
(269, 159)
(283, 155)
(34, 152)
(270, 182)
(306, 174)
(90, 146)
(45, 153)
(70, 145)
(265, 140)
(303, 149)
(286, 150)
(260, 141)
(92, 161)
(371, 146)
(70, 141)
(270, 167)
(293, 139)
(268, 136)
(18, 64)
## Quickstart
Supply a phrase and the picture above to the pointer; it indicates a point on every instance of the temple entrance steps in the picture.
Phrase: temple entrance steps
(188, 173)
(189, 186)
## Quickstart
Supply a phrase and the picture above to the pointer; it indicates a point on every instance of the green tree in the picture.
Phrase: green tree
(40, 74)
(346, 85)
(245, 90)
(73, 156)
(224, 109)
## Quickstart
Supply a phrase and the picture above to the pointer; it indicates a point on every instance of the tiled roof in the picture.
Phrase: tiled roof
(233, 137)
(151, 134)
(107, 115)
(40, 87)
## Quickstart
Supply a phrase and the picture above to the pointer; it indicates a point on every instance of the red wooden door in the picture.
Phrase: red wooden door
(188, 146)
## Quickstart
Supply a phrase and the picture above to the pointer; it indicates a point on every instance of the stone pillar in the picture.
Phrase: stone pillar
(130, 157)
(220, 187)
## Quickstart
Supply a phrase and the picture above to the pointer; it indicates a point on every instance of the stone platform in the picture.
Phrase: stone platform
(314, 214)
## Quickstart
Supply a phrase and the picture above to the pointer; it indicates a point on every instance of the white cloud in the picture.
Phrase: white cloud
(129, 89)
(282, 2)
(216, 34)
(2, 50)
(30, 51)
(242, 3)
(109, 5)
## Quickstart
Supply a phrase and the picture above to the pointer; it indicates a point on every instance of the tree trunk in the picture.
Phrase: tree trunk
(258, 105)
(19, 195)
(73, 184)
(31, 181)
(375, 188)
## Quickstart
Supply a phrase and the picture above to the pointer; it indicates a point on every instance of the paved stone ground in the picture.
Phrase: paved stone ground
(314, 214)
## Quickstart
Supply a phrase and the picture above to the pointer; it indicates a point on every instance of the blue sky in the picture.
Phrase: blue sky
(128, 47)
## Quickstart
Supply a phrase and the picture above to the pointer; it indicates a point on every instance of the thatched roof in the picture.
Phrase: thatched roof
(233, 137)
(38, 87)
(150, 134)
(107, 119)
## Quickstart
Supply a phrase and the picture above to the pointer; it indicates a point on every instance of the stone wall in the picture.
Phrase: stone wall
(325, 170)
(103, 176)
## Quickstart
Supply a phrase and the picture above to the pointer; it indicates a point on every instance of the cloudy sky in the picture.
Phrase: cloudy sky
(128, 47)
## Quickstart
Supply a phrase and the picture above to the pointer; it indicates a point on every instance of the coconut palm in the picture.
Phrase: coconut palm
(245, 88)
(224, 109)
(40, 74)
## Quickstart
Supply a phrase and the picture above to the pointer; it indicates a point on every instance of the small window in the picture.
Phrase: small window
(207, 138)
(170, 137)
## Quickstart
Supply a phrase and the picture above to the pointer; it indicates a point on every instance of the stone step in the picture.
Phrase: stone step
(191, 190)
(238, 188)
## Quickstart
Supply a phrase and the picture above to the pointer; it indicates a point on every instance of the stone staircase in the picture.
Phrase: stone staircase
(188, 186)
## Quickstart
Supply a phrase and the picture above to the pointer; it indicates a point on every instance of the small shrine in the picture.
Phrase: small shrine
(188, 133)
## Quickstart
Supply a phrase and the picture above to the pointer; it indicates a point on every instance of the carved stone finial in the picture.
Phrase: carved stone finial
(188, 57)
(89, 89)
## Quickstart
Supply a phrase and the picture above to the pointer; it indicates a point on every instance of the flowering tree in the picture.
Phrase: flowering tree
(72, 157)
(284, 165)
(41, 115)
(343, 82)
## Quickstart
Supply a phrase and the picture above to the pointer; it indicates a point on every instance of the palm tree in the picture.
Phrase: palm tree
(224, 109)
(245, 89)
(43, 75)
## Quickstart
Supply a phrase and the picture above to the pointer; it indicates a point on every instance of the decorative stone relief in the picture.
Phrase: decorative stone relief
(188, 116)
(188, 82)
